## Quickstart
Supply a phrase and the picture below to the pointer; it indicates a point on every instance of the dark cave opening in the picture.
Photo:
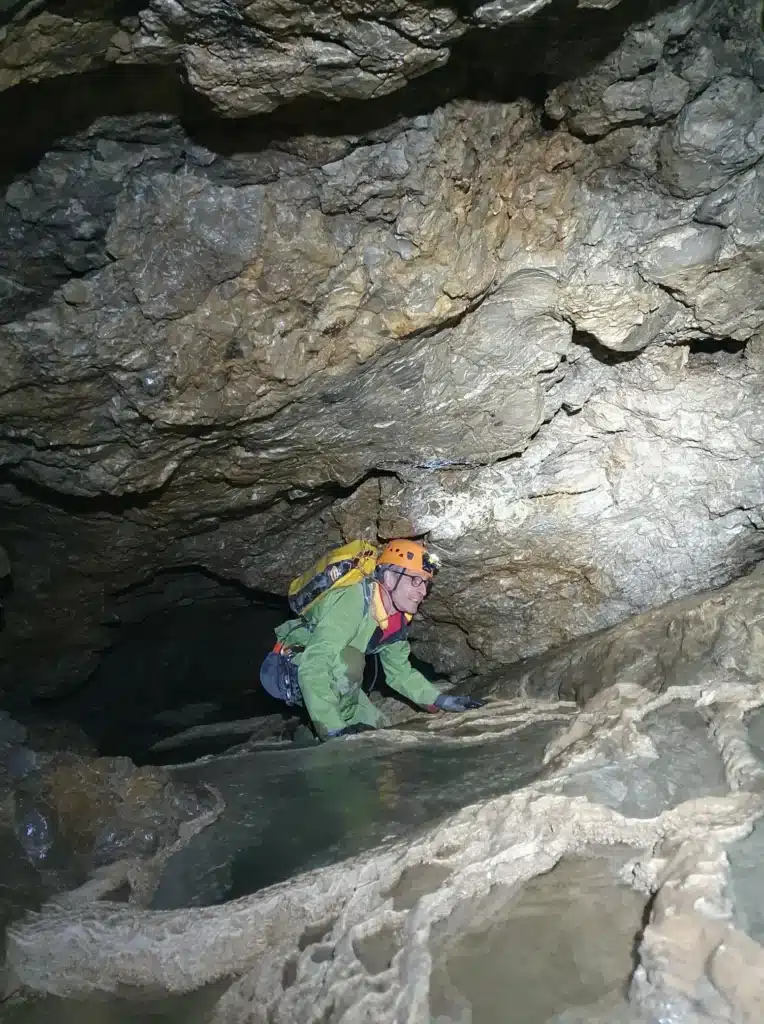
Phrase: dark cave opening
(176, 661)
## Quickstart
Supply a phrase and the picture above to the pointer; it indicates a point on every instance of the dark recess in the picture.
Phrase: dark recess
(600, 352)
(715, 346)
(522, 60)
(204, 650)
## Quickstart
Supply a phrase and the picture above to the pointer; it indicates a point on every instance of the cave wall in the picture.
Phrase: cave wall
(532, 332)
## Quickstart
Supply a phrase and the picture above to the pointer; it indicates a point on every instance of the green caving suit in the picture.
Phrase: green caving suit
(336, 635)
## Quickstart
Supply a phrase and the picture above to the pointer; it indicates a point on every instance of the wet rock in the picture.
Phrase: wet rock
(350, 799)
(76, 814)
(21, 887)
(64, 816)
(345, 936)
(690, 950)
(357, 924)
(11, 732)
(690, 642)
(502, 12)
(21, 761)
(578, 906)
(682, 764)
(540, 346)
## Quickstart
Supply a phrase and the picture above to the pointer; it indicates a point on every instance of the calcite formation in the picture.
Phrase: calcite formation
(358, 939)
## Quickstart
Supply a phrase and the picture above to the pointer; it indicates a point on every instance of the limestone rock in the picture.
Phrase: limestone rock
(377, 927)
(719, 134)
(538, 343)
(250, 60)
(694, 642)
(463, 323)
(47, 44)
(535, 554)
(660, 65)
(502, 12)
(53, 222)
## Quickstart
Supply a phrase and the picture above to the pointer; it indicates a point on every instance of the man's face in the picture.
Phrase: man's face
(408, 590)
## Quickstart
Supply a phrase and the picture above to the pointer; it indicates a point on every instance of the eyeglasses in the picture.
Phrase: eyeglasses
(416, 581)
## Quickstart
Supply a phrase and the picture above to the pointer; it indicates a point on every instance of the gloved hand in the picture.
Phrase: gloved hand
(447, 702)
(350, 730)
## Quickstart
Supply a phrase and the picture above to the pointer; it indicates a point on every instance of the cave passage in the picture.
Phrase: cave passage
(183, 666)
(186, 652)
(513, 309)
(189, 663)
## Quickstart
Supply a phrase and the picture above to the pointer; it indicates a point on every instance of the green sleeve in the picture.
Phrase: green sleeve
(337, 623)
(403, 677)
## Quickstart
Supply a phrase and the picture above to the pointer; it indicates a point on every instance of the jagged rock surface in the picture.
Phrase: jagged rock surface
(66, 816)
(541, 347)
(544, 350)
(251, 59)
(538, 339)
(690, 642)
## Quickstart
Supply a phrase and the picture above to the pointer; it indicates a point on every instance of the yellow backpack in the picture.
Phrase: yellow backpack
(342, 567)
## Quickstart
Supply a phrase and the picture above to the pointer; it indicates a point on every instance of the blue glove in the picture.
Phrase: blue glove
(351, 730)
(445, 702)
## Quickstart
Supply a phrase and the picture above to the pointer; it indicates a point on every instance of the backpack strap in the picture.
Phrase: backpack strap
(367, 584)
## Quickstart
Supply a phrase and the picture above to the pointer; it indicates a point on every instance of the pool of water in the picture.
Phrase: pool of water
(291, 810)
(746, 858)
(192, 1008)
(747, 855)
(755, 725)
(560, 952)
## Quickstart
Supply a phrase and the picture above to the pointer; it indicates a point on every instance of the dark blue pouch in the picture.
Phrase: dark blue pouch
(278, 674)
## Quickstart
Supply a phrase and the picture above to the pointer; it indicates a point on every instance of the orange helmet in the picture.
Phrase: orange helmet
(411, 555)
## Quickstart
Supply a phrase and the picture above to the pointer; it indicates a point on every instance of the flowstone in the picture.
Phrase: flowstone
(682, 764)
(746, 858)
(368, 938)
(190, 1008)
